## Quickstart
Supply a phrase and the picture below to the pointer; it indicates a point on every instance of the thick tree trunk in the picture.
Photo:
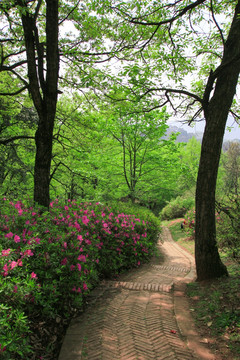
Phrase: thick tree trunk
(43, 83)
(43, 139)
(44, 134)
(208, 262)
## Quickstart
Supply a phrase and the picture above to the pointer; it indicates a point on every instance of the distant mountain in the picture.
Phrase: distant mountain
(183, 136)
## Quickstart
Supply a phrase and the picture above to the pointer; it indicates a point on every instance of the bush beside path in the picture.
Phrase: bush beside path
(50, 261)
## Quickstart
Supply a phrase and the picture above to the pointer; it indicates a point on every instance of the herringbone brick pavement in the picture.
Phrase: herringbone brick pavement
(134, 317)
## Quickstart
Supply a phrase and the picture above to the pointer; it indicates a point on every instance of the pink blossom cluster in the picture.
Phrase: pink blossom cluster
(84, 233)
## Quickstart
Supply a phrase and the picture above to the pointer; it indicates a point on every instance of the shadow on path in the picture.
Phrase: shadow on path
(142, 316)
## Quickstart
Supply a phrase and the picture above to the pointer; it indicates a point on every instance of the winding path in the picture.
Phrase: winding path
(142, 316)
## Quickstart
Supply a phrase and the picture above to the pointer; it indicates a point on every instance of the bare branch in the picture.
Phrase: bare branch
(169, 20)
(176, 91)
(216, 23)
(66, 17)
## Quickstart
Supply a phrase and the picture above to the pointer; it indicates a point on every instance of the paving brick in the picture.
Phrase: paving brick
(133, 318)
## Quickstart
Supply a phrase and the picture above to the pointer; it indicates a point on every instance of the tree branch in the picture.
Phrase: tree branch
(14, 93)
(169, 20)
(17, 137)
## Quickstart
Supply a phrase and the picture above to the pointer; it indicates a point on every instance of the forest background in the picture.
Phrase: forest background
(86, 94)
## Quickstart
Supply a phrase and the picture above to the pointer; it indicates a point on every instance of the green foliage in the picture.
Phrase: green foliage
(177, 208)
(190, 156)
(49, 261)
(15, 331)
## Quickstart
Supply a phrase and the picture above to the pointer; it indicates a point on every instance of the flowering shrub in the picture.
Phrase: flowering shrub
(49, 261)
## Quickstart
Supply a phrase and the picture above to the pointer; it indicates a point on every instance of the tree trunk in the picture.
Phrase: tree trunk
(43, 157)
(43, 83)
(208, 262)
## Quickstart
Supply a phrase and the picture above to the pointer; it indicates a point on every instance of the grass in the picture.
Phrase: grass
(215, 304)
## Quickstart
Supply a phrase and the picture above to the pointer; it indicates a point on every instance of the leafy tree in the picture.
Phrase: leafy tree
(139, 136)
(190, 155)
(160, 34)
(26, 35)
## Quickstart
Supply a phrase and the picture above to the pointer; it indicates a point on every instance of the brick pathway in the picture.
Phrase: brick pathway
(141, 316)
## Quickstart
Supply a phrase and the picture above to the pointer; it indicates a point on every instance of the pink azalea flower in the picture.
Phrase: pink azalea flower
(88, 242)
(79, 267)
(15, 289)
(17, 239)
(72, 267)
(82, 258)
(33, 275)
(6, 252)
(85, 286)
(37, 240)
(85, 220)
(65, 245)
(19, 262)
(64, 261)
(74, 288)
(5, 268)
(79, 290)
(9, 235)
(80, 238)
(17, 205)
(97, 261)
(13, 264)
(28, 253)
(66, 208)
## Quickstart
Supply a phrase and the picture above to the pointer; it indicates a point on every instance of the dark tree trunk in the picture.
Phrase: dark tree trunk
(208, 262)
(44, 134)
(43, 90)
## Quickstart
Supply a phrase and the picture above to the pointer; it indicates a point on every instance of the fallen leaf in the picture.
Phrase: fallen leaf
(173, 331)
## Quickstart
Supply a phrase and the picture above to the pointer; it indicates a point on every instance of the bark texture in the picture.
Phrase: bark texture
(43, 90)
(216, 110)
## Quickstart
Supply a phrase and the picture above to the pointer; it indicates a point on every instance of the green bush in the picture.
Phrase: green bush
(50, 260)
(177, 208)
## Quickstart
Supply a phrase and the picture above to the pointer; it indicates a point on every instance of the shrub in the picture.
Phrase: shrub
(49, 261)
(146, 215)
(177, 208)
